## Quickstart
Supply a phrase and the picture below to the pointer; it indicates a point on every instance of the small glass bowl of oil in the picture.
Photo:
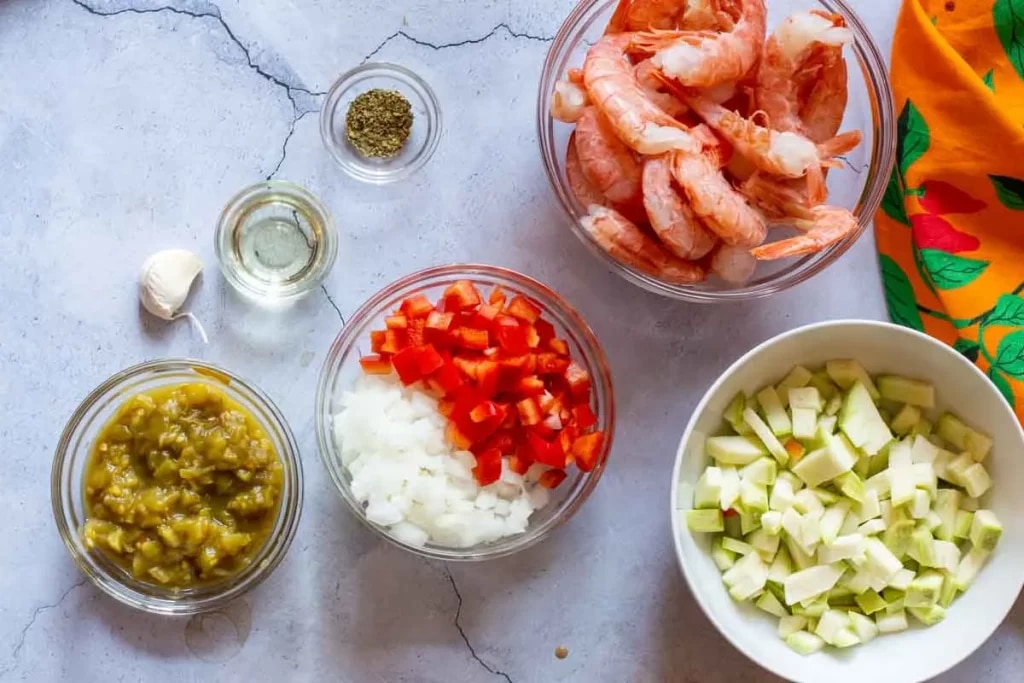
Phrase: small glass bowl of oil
(275, 241)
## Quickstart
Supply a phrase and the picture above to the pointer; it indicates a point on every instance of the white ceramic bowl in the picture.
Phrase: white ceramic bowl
(919, 653)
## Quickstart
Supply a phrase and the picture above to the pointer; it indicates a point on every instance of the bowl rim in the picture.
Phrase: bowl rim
(884, 152)
(370, 308)
(747, 357)
(276, 544)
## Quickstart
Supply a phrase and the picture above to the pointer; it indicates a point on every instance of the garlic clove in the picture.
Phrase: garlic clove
(166, 280)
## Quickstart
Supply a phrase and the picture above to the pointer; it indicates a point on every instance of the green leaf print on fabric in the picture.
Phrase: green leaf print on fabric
(922, 270)
(1003, 385)
(913, 137)
(948, 271)
(1008, 16)
(1010, 355)
(989, 80)
(899, 295)
(892, 202)
(1009, 312)
(968, 347)
(1010, 191)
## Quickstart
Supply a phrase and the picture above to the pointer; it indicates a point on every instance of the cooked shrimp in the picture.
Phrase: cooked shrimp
(608, 165)
(706, 58)
(713, 199)
(643, 15)
(623, 240)
(789, 50)
(701, 15)
(735, 265)
(824, 105)
(823, 226)
(650, 81)
(671, 218)
(613, 88)
(780, 199)
(569, 102)
(585, 193)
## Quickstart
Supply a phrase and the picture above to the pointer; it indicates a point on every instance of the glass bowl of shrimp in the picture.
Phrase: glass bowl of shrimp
(716, 150)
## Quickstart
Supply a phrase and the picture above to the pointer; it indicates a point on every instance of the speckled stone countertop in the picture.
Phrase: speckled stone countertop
(124, 128)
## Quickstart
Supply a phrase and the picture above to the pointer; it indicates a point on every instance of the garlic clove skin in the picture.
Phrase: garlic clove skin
(166, 280)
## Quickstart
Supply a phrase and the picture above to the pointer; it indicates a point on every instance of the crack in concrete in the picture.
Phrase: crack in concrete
(330, 300)
(465, 639)
(502, 27)
(287, 139)
(31, 622)
(289, 88)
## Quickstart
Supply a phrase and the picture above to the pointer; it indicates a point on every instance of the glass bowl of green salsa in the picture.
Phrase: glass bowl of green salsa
(177, 486)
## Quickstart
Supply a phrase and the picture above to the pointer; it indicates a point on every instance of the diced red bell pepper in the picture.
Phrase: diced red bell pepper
(584, 417)
(565, 439)
(437, 326)
(586, 448)
(396, 322)
(551, 364)
(502, 441)
(457, 437)
(579, 381)
(375, 365)
(543, 451)
(544, 431)
(545, 330)
(519, 464)
(467, 366)
(497, 297)
(546, 401)
(394, 341)
(488, 372)
(522, 308)
(795, 449)
(448, 378)
(529, 386)
(460, 296)
(407, 364)
(488, 410)
(377, 339)
(532, 336)
(510, 335)
(485, 315)
(446, 407)
(488, 467)
(470, 338)
(417, 306)
(529, 412)
(430, 361)
(559, 346)
(731, 512)
(551, 479)
(416, 331)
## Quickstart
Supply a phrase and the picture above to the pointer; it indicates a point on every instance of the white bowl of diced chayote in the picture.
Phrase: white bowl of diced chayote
(848, 505)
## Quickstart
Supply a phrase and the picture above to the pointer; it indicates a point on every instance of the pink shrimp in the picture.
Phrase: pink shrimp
(637, 121)
(649, 79)
(713, 199)
(623, 240)
(802, 43)
(702, 15)
(823, 226)
(608, 165)
(578, 183)
(824, 104)
(568, 102)
(641, 15)
(780, 199)
(706, 58)
(735, 265)
(672, 219)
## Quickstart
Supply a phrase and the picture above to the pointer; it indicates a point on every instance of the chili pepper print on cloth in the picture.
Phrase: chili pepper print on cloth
(951, 229)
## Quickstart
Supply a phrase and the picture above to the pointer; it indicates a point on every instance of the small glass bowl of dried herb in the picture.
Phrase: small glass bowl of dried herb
(380, 122)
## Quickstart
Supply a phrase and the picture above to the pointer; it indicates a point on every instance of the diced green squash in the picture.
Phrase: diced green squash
(735, 450)
(947, 504)
(832, 520)
(782, 497)
(771, 522)
(737, 546)
(723, 559)
(826, 463)
(924, 427)
(962, 525)
(969, 567)
(904, 390)
(835, 628)
(761, 472)
(705, 521)
(825, 496)
(812, 609)
(879, 463)
(753, 497)
(956, 470)
(834, 405)
(976, 480)
(863, 467)
(870, 602)
(804, 643)
(949, 591)
(781, 567)
(708, 493)
(806, 502)
(851, 486)
(922, 547)
(871, 527)
(902, 579)
(804, 423)
(734, 527)
(774, 413)
(749, 522)
(924, 590)
(953, 430)
(860, 421)
(928, 616)
(801, 560)
(764, 543)
(970, 504)
(811, 582)
(734, 415)
(808, 398)
(880, 561)
(767, 437)
(985, 530)
(865, 628)
(790, 624)
(923, 451)
(906, 420)
(730, 487)
(797, 378)
(891, 623)
(770, 604)
(846, 373)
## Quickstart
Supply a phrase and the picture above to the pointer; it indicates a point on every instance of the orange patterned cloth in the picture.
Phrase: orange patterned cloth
(951, 228)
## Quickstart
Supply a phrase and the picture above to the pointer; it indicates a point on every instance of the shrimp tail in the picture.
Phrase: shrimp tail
(620, 18)
(817, 191)
(841, 144)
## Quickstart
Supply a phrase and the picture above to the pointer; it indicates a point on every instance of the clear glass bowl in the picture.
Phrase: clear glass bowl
(426, 125)
(72, 455)
(859, 185)
(341, 369)
(275, 241)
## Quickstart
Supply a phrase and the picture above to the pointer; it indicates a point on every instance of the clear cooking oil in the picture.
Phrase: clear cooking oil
(275, 241)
